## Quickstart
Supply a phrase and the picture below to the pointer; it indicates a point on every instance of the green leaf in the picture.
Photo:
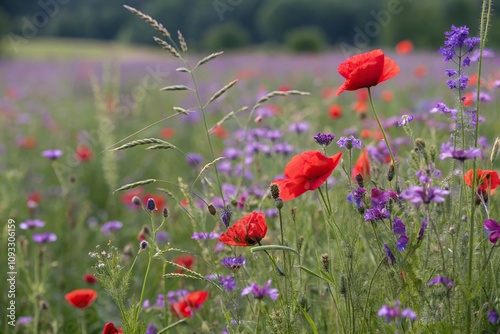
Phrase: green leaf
(273, 247)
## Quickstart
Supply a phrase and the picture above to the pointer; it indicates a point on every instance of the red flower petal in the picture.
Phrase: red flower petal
(110, 328)
(247, 231)
(81, 298)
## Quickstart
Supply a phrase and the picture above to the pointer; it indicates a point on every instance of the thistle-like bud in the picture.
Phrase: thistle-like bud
(325, 259)
(165, 213)
(391, 172)
(495, 149)
(136, 200)
(420, 144)
(275, 191)
(151, 204)
(360, 181)
(278, 203)
(143, 244)
(211, 209)
(44, 305)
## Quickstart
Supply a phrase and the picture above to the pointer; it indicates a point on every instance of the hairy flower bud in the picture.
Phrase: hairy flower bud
(211, 209)
(275, 191)
(136, 200)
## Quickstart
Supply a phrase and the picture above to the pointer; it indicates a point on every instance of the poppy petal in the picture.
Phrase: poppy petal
(391, 69)
(291, 188)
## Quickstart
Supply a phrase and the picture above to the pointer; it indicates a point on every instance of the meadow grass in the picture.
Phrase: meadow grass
(330, 265)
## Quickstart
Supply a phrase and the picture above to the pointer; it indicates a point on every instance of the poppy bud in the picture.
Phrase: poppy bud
(151, 204)
(359, 180)
(275, 191)
(136, 200)
(278, 203)
(211, 209)
(165, 213)
(390, 173)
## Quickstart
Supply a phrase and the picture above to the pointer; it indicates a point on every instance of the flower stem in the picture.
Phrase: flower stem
(82, 321)
(393, 160)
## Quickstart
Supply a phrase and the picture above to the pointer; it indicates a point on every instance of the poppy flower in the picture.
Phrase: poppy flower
(220, 132)
(467, 99)
(420, 71)
(247, 231)
(366, 70)
(192, 301)
(186, 261)
(306, 171)
(404, 47)
(110, 328)
(335, 111)
(486, 180)
(26, 142)
(327, 93)
(387, 96)
(89, 279)
(167, 133)
(83, 153)
(81, 298)
(362, 166)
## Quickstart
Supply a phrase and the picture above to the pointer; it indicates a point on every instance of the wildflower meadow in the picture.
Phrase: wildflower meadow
(253, 192)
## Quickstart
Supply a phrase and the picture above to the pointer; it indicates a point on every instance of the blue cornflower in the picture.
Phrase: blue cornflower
(111, 226)
(194, 159)
(392, 313)
(298, 128)
(205, 236)
(450, 73)
(424, 194)
(31, 224)
(225, 216)
(233, 262)
(324, 139)
(349, 142)
(231, 153)
(356, 197)
(399, 227)
(260, 292)
(228, 282)
(376, 213)
(52, 154)
(44, 237)
(151, 329)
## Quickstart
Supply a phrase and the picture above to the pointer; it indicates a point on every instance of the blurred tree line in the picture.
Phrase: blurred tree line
(213, 24)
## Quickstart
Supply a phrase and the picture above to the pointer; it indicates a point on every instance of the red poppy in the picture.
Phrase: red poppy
(365, 133)
(486, 179)
(220, 132)
(167, 133)
(362, 166)
(360, 106)
(81, 298)
(89, 279)
(35, 197)
(110, 328)
(83, 153)
(327, 93)
(306, 171)
(404, 47)
(284, 88)
(27, 142)
(335, 111)
(467, 99)
(192, 301)
(247, 231)
(186, 261)
(366, 70)
(387, 96)
(420, 71)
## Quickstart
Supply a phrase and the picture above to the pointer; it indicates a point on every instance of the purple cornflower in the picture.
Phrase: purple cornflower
(447, 151)
(424, 194)
(441, 280)
(422, 229)
(349, 142)
(205, 235)
(233, 262)
(405, 119)
(151, 204)
(402, 242)
(260, 292)
(194, 159)
(457, 38)
(52, 154)
(393, 313)
(271, 212)
(450, 73)
(376, 213)
(389, 254)
(299, 127)
(45, 237)
(228, 282)
(494, 227)
(151, 329)
(324, 139)
(24, 320)
(283, 148)
(274, 135)
(111, 226)
(225, 216)
(400, 229)
(31, 224)
(231, 153)
(356, 197)
(160, 301)
(162, 237)
(440, 106)
(493, 317)
(484, 97)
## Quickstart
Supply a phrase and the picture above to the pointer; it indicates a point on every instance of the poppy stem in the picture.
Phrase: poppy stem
(82, 321)
(393, 160)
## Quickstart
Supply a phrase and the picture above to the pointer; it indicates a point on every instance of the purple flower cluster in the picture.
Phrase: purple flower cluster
(493, 317)
(42, 238)
(379, 200)
(399, 228)
(405, 119)
(52, 154)
(205, 235)
(233, 262)
(424, 194)
(324, 139)
(441, 280)
(31, 224)
(349, 142)
(356, 197)
(389, 254)
(492, 226)
(260, 292)
(110, 227)
(393, 313)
